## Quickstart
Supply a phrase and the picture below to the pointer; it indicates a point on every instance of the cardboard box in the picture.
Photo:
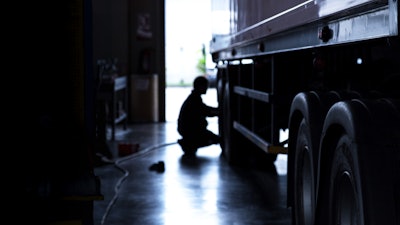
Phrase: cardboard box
(144, 98)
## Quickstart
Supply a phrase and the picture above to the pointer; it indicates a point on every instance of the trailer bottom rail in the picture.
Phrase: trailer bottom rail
(265, 146)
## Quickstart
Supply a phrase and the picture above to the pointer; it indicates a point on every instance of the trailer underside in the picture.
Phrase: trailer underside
(333, 83)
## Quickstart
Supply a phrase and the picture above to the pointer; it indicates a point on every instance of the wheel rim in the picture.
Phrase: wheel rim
(304, 194)
(304, 205)
(345, 209)
(306, 187)
(344, 200)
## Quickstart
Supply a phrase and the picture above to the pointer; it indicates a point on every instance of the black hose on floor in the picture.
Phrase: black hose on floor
(125, 175)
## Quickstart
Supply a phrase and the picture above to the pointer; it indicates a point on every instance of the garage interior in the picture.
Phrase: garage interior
(83, 66)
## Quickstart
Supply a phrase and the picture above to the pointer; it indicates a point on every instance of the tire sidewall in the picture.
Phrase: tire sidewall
(303, 154)
(344, 161)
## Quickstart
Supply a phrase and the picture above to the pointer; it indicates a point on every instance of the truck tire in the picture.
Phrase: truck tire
(360, 155)
(304, 193)
(345, 196)
(307, 114)
(303, 147)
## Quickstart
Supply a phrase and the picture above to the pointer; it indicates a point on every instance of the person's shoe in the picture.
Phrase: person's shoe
(186, 148)
(183, 145)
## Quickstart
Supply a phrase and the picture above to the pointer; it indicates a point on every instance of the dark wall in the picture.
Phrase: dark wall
(111, 32)
(52, 51)
(54, 100)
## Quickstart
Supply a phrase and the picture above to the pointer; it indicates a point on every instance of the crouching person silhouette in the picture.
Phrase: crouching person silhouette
(192, 122)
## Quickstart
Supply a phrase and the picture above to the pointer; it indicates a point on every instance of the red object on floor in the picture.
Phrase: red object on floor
(125, 149)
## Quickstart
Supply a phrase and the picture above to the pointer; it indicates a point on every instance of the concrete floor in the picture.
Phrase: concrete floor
(201, 190)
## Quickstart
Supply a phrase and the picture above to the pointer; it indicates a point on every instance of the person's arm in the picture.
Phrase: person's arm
(212, 111)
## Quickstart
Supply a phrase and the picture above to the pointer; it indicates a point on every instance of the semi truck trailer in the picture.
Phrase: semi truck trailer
(328, 73)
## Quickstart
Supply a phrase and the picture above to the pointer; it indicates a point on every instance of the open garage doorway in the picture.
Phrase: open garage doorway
(187, 37)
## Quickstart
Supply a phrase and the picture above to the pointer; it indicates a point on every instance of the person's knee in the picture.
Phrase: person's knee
(216, 139)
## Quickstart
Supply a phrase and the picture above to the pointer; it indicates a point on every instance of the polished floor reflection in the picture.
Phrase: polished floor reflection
(201, 190)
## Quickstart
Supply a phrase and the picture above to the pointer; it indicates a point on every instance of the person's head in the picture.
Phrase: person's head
(200, 84)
